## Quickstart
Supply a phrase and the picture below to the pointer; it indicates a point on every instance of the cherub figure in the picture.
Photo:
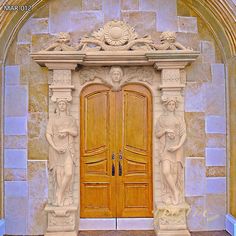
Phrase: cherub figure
(62, 43)
(168, 42)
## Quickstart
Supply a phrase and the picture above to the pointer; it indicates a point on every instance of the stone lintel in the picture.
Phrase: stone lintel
(73, 233)
(61, 65)
(173, 233)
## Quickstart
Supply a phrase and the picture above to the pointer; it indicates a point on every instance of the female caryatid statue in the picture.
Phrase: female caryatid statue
(171, 131)
(61, 130)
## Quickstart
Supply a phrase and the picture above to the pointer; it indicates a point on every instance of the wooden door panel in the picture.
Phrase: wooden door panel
(135, 140)
(97, 184)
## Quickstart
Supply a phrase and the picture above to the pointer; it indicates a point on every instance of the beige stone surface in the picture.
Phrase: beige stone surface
(111, 10)
(11, 56)
(23, 54)
(216, 171)
(15, 174)
(149, 5)
(129, 4)
(208, 52)
(42, 12)
(187, 24)
(15, 141)
(215, 140)
(190, 40)
(196, 218)
(39, 25)
(199, 72)
(138, 19)
(195, 143)
(91, 5)
(41, 41)
(37, 149)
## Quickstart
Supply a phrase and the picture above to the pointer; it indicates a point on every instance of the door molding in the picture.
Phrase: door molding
(160, 67)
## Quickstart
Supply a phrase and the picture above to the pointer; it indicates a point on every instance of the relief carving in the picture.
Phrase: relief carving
(171, 131)
(60, 134)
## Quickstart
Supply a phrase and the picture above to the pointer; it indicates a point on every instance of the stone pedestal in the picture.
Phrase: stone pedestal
(170, 220)
(62, 220)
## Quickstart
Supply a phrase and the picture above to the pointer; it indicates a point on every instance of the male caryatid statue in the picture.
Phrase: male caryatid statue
(61, 130)
(171, 131)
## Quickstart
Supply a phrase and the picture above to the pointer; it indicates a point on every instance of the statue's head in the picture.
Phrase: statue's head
(168, 37)
(62, 105)
(116, 74)
(170, 102)
(63, 37)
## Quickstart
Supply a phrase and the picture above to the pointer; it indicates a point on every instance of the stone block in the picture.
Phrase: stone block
(195, 97)
(215, 171)
(37, 218)
(149, 5)
(194, 177)
(195, 143)
(39, 26)
(38, 98)
(23, 54)
(215, 157)
(216, 124)
(37, 124)
(11, 54)
(129, 4)
(199, 72)
(15, 158)
(24, 34)
(196, 218)
(111, 9)
(16, 189)
(16, 215)
(16, 106)
(218, 74)
(12, 75)
(42, 12)
(61, 13)
(15, 141)
(138, 19)
(216, 210)
(2, 227)
(38, 149)
(37, 179)
(15, 174)
(215, 99)
(216, 140)
(189, 40)
(15, 125)
(187, 24)
(41, 41)
(215, 185)
(167, 15)
(91, 5)
(208, 52)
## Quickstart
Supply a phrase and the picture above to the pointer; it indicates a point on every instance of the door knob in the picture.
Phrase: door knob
(113, 165)
(120, 165)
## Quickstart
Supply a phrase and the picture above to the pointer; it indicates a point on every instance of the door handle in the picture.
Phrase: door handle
(120, 165)
(113, 165)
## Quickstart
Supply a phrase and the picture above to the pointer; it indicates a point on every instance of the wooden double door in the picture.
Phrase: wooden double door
(116, 152)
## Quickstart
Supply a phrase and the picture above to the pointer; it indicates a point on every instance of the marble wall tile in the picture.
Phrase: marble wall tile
(216, 215)
(93, 5)
(39, 25)
(148, 5)
(216, 185)
(111, 9)
(195, 180)
(129, 4)
(197, 217)
(42, 41)
(15, 141)
(11, 54)
(16, 215)
(16, 189)
(190, 40)
(138, 19)
(23, 54)
(218, 74)
(215, 171)
(195, 143)
(215, 124)
(16, 106)
(216, 140)
(187, 24)
(167, 16)
(215, 157)
(199, 72)
(61, 13)
(15, 174)
(15, 158)
(42, 12)
(37, 217)
(15, 126)
(12, 75)
(195, 97)
(215, 99)
(38, 149)
(24, 35)
(208, 52)
(37, 123)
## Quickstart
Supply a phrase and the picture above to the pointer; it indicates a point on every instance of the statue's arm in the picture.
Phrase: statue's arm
(50, 141)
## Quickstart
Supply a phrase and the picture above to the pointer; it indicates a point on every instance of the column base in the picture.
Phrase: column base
(230, 223)
(173, 233)
(74, 233)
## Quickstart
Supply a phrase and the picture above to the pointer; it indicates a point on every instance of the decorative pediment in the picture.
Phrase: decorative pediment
(116, 36)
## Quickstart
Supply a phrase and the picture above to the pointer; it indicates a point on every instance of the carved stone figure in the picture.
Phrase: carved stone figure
(60, 134)
(171, 130)
(62, 43)
(168, 42)
(116, 75)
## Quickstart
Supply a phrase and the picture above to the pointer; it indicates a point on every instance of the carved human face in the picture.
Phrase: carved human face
(116, 76)
(62, 105)
(171, 106)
